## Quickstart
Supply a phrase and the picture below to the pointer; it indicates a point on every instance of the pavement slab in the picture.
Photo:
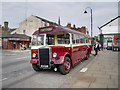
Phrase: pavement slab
(102, 72)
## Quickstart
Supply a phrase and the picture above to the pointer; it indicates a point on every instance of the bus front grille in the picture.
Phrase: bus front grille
(44, 57)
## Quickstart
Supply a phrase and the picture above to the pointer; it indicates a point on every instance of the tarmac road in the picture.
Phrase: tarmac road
(17, 72)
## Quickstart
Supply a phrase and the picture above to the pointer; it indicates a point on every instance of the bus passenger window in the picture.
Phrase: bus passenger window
(73, 38)
(77, 38)
(87, 40)
(81, 40)
(50, 40)
(63, 40)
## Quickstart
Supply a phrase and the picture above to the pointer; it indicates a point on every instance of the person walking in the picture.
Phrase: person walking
(96, 46)
(104, 47)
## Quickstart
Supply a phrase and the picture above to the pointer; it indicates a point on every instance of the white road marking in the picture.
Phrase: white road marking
(22, 58)
(83, 70)
(3, 79)
(9, 54)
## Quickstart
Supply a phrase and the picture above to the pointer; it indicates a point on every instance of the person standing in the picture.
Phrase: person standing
(96, 48)
(20, 46)
(104, 47)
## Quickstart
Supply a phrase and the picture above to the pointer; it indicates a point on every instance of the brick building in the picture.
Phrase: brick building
(13, 41)
(83, 29)
(6, 30)
(12, 38)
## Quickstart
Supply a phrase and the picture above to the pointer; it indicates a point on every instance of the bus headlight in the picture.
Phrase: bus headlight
(54, 54)
(34, 55)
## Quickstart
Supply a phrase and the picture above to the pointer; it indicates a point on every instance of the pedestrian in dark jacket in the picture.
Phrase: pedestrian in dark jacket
(96, 46)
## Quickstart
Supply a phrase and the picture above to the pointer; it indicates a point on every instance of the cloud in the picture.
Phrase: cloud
(68, 12)
(60, 0)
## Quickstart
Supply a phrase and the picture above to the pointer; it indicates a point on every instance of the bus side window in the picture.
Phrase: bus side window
(77, 38)
(73, 38)
(50, 40)
(84, 40)
(81, 39)
(87, 40)
(63, 39)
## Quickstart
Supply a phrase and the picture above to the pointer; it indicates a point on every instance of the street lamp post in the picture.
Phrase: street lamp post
(91, 22)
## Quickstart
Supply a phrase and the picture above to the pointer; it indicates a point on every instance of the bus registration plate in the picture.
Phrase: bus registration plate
(44, 66)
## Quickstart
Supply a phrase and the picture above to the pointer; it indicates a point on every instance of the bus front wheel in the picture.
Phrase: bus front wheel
(65, 68)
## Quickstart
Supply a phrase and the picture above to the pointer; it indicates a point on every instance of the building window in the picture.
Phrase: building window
(24, 31)
(5, 40)
(117, 41)
(45, 24)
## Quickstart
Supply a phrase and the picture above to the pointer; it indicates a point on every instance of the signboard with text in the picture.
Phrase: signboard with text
(18, 39)
(46, 29)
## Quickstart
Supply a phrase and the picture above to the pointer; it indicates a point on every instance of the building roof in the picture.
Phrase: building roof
(46, 20)
(22, 36)
(109, 22)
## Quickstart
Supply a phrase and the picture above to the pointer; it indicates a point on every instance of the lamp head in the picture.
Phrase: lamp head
(85, 12)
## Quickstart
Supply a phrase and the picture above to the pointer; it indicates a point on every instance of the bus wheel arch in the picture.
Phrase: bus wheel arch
(66, 66)
(70, 59)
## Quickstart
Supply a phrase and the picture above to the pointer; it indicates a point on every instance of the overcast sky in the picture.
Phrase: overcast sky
(69, 12)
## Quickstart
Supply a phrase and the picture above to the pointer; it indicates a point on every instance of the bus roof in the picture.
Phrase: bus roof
(58, 29)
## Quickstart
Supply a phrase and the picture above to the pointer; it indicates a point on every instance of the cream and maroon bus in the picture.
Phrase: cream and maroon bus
(57, 47)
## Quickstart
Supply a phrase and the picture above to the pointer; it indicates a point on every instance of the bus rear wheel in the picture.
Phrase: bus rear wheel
(35, 67)
(65, 68)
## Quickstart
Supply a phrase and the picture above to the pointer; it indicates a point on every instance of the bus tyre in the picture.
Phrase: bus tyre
(65, 68)
(87, 55)
(35, 67)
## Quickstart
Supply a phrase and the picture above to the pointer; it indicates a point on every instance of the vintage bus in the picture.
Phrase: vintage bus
(58, 48)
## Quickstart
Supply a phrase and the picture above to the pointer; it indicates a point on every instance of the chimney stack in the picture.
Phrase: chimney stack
(6, 25)
(74, 26)
(83, 29)
(69, 25)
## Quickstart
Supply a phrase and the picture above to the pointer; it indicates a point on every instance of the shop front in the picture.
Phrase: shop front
(111, 40)
(15, 42)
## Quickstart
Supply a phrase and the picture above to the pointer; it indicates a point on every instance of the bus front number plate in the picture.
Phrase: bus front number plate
(44, 66)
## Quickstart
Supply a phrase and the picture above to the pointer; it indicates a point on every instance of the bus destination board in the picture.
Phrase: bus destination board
(46, 29)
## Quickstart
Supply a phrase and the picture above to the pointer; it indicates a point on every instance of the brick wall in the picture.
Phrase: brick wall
(69, 25)
(115, 37)
(83, 30)
(10, 45)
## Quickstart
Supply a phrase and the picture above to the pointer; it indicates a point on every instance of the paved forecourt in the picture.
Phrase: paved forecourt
(102, 72)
